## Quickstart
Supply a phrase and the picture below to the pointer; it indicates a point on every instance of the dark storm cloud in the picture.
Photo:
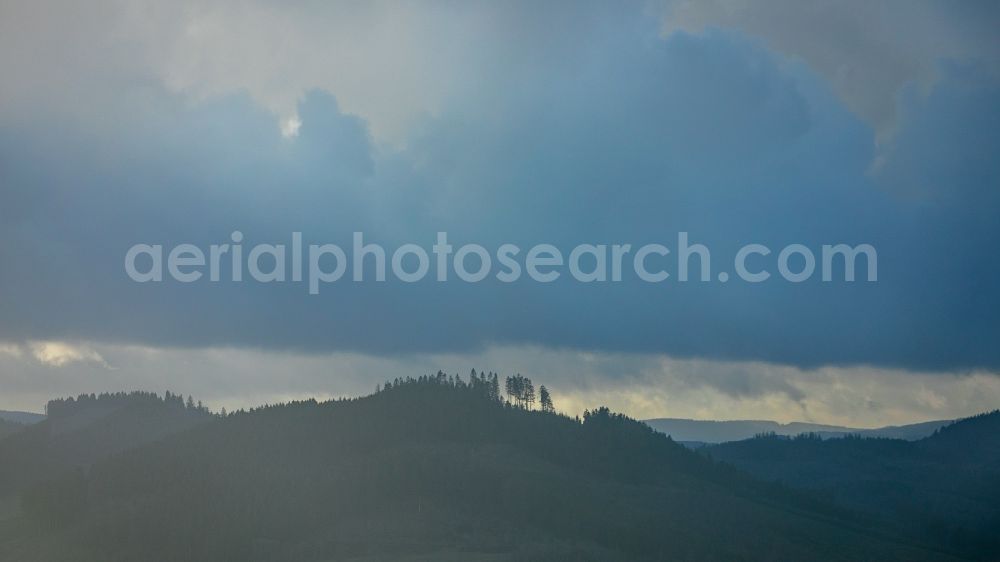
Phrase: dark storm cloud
(606, 133)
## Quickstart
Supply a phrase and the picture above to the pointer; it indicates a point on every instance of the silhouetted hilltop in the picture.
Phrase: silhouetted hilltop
(434, 467)
(973, 441)
(945, 487)
(80, 431)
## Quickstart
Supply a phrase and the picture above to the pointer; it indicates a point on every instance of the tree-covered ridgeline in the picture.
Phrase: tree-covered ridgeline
(519, 390)
(65, 407)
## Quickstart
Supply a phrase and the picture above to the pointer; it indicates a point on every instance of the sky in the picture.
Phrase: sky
(776, 123)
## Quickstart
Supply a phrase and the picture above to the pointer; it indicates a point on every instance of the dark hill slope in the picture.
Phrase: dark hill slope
(9, 428)
(426, 469)
(945, 487)
(79, 432)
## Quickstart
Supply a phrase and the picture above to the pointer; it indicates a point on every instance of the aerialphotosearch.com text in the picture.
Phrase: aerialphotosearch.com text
(319, 264)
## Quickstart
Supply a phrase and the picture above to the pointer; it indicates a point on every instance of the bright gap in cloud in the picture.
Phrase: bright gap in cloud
(58, 354)
(290, 127)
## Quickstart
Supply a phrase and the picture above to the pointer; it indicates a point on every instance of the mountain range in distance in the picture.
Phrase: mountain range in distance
(695, 433)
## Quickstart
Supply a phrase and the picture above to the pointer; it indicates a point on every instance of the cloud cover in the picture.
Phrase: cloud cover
(552, 125)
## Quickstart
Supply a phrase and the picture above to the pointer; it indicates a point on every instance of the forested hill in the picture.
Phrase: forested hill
(945, 487)
(430, 469)
(80, 431)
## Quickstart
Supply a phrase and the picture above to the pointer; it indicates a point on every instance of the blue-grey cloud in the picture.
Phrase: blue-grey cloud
(603, 132)
(867, 51)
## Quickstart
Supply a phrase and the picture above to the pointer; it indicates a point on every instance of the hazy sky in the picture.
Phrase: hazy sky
(776, 123)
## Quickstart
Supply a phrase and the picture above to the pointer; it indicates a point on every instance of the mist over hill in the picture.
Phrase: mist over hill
(431, 468)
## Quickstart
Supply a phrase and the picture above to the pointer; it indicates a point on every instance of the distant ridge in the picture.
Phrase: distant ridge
(26, 418)
(708, 431)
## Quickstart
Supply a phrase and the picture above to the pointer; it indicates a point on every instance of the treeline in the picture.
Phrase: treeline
(63, 407)
(812, 436)
(520, 390)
